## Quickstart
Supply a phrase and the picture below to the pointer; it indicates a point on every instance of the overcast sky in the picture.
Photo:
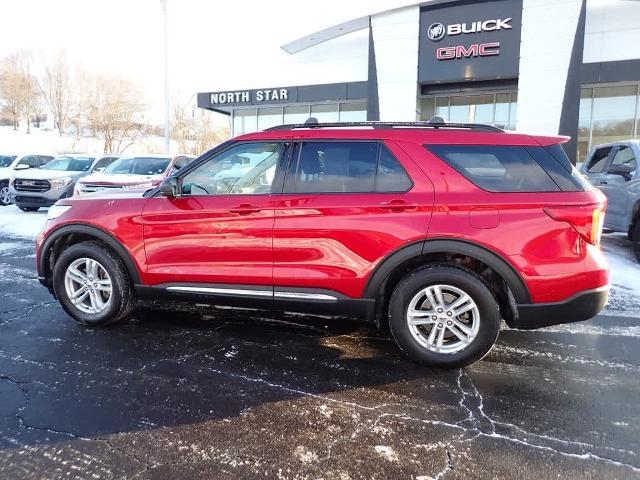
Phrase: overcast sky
(213, 44)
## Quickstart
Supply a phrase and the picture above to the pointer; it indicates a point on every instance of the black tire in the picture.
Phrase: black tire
(635, 238)
(468, 282)
(4, 192)
(123, 297)
(29, 209)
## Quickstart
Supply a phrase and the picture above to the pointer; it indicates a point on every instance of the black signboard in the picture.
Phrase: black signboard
(470, 41)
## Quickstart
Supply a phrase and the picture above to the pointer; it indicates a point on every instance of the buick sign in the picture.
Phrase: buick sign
(436, 32)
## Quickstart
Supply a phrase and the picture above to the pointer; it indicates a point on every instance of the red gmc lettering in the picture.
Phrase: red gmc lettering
(475, 50)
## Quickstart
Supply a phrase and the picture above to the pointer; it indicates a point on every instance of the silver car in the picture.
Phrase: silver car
(32, 189)
(9, 164)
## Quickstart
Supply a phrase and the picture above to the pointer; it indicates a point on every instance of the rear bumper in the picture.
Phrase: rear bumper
(581, 306)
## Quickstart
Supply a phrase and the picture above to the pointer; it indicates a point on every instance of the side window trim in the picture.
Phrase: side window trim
(382, 144)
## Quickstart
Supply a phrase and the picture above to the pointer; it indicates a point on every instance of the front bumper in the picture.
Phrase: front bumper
(40, 199)
(581, 306)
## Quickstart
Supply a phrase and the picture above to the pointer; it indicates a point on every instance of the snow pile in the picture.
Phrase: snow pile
(16, 223)
(625, 276)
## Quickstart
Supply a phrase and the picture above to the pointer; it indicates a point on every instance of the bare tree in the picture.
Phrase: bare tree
(57, 89)
(113, 108)
(12, 87)
(31, 96)
(194, 131)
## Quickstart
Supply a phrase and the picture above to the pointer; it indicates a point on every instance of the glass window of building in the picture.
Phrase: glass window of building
(245, 121)
(490, 108)
(269, 117)
(325, 113)
(296, 114)
(353, 112)
(607, 114)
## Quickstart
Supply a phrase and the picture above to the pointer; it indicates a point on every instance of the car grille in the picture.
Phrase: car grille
(28, 185)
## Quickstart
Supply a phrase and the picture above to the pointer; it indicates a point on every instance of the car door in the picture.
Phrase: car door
(218, 231)
(345, 206)
(596, 165)
(618, 187)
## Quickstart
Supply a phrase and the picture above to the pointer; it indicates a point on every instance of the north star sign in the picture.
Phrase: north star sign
(249, 96)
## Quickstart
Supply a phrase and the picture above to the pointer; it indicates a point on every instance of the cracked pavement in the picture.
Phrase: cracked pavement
(189, 391)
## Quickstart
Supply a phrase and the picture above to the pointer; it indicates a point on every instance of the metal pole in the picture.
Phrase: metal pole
(167, 105)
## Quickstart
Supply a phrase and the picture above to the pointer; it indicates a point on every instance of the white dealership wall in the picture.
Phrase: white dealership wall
(612, 31)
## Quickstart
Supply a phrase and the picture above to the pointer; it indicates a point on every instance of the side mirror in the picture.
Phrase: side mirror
(22, 166)
(170, 187)
(621, 169)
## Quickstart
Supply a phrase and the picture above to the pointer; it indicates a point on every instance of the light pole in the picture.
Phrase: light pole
(167, 105)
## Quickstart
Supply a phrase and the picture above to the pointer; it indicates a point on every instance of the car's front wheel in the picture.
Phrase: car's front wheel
(444, 316)
(5, 197)
(93, 285)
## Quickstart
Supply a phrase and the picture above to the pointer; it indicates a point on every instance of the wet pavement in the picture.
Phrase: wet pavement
(200, 392)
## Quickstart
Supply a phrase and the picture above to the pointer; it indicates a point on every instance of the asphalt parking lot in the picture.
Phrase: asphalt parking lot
(200, 392)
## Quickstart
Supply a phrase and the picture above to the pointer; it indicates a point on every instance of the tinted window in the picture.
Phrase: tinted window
(569, 180)
(139, 165)
(104, 163)
(45, 159)
(598, 161)
(6, 160)
(69, 164)
(336, 167)
(390, 176)
(32, 160)
(497, 168)
(625, 156)
(248, 168)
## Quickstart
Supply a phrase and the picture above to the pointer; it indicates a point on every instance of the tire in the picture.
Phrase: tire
(5, 199)
(481, 319)
(635, 238)
(29, 209)
(117, 306)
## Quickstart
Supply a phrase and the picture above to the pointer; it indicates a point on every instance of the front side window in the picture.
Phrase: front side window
(104, 163)
(625, 156)
(346, 167)
(497, 168)
(139, 166)
(6, 160)
(69, 164)
(32, 161)
(244, 169)
(598, 161)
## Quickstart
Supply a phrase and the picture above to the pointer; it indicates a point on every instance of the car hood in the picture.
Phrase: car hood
(39, 174)
(118, 179)
(6, 172)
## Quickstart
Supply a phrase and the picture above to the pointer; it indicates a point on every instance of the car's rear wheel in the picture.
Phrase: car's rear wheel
(29, 209)
(92, 284)
(444, 316)
(635, 238)
(5, 197)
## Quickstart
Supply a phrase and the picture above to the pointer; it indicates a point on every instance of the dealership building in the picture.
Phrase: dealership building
(569, 67)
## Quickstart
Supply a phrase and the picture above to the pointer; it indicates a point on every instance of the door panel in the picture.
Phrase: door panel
(210, 239)
(333, 240)
(616, 188)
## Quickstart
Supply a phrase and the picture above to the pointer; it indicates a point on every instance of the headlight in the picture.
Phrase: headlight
(56, 210)
(61, 182)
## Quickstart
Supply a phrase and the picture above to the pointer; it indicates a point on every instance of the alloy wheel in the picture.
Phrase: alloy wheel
(88, 285)
(443, 318)
(5, 198)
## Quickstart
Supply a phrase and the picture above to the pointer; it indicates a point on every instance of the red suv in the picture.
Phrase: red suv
(437, 230)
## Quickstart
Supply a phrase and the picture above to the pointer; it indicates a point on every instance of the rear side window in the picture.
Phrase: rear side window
(598, 161)
(557, 165)
(346, 167)
(497, 168)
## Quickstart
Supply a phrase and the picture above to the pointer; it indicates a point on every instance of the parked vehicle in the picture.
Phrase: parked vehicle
(436, 230)
(137, 172)
(613, 168)
(32, 189)
(9, 164)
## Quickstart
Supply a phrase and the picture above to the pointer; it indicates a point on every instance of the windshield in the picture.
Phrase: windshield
(6, 160)
(69, 164)
(139, 166)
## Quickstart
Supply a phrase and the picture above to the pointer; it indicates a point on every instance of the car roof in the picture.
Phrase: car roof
(617, 142)
(409, 134)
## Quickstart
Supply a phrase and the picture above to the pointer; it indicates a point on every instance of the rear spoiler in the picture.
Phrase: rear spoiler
(545, 141)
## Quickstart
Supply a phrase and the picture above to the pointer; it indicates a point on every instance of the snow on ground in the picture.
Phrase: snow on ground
(16, 223)
(625, 271)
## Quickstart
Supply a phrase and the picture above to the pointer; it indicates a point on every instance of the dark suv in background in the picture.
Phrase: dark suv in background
(436, 230)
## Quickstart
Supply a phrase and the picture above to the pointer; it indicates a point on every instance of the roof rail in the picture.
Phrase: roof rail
(383, 125)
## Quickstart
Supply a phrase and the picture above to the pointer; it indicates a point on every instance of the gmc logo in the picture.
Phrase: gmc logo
(475, 50)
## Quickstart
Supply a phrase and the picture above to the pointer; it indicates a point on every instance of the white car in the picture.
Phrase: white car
(9, 164)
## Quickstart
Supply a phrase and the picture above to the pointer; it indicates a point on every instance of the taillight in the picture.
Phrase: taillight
(587, 220)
